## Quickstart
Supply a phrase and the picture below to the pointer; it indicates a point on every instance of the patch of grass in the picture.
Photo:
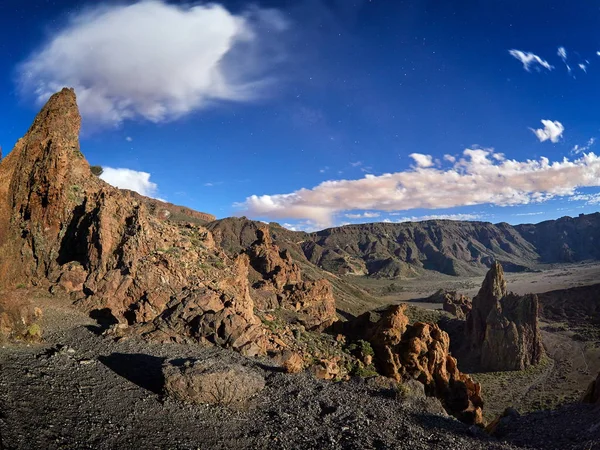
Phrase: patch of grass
(21, 286)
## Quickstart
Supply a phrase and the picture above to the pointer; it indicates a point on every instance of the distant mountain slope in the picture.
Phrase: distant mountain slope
(406, 249)
(568, 239)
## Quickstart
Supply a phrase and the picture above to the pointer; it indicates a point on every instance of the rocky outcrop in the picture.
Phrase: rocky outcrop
(19, 320)
(503, 328)
(422, 352)
(458, 305)
(278, 283)
(592, 393)
(212, 381)
(64, 228)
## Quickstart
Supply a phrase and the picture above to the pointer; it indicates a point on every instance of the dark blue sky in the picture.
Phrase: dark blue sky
(339, 90)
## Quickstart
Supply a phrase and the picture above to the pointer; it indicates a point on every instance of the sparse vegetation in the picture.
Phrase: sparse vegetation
(97, 170)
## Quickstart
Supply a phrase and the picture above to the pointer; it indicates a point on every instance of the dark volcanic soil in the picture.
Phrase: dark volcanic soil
(97, 393)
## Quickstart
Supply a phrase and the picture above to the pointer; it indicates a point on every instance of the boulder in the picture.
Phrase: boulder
(212, 381)
(290, 362)
(19, 319)
(503, 328)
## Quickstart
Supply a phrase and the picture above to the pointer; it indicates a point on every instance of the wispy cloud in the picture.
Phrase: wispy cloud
(439, 217)
(152, 59)
(356, 164)
(583, 148)
(476, 178)
(537, 213)
(562, 52)
(552, 131)
(130, 179)
(589, 199)
(530, 60)
(365, 215)
(583, 67)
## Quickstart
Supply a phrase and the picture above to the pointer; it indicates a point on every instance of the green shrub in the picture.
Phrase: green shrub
(97, 170)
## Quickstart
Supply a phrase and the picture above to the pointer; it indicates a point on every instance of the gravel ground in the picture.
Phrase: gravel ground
(80, 390)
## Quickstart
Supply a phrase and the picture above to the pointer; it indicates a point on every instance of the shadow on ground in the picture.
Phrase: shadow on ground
(142, 370)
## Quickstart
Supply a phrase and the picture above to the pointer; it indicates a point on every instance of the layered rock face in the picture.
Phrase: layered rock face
(279, 284)
(62, 226)
(503, 327)
(422, 352)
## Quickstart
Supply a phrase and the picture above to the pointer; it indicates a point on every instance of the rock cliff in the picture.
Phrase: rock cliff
(62, 227)
(503, 327)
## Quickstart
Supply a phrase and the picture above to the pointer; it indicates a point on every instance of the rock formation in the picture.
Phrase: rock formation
(279, 284)
(592, 394)
(63, 227)
(422, 352)
(19, 320)
(456, 304)
(503, 327)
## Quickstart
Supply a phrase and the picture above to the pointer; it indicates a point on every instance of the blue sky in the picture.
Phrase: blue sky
(308, 112)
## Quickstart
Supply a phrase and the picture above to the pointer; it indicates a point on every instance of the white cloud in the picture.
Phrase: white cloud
(129, 139)
(477, 178)
(583, 67)
(151, 59)
(562, 52)
(130, 179)
(552, 131)
(530, 60)
(589, 199)
(422, 160)
(450, 158)
(365, 215)
(537, 213)
(584, 148)
(356, 164)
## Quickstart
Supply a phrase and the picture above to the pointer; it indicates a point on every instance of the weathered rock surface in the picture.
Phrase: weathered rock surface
(279, 284)
(212, 381)
(503, 328)
(456, 304)
(422, 352)
(63, 227)
(592, 393)
(19, 320)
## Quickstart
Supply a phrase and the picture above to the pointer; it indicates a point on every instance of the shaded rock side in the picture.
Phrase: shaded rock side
(212, 381)
(422, 352)
(278, 283)
(63, 227)
(503, 328)
(592, 393)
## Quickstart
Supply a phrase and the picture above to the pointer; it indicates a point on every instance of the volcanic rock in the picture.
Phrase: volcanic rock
(281, 285)
(212, 381)
(422, 352)
(503, 328)
(456, 304)
(19, 320)
(60, 225)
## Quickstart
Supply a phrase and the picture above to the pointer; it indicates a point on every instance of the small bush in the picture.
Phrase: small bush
(97, 170)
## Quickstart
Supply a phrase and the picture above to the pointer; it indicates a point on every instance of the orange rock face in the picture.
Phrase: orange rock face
(281, 285)
(62, 226)
(422, 352)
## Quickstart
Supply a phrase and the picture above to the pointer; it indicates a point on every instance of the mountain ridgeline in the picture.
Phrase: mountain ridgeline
(390, 250)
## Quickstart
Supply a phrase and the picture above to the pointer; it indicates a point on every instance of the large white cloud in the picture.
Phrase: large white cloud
(552, 131)
(479, 177)
(151, 59)
(130, 179)
(530, 60)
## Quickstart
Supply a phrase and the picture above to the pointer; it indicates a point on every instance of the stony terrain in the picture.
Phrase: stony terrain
(78, 389)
